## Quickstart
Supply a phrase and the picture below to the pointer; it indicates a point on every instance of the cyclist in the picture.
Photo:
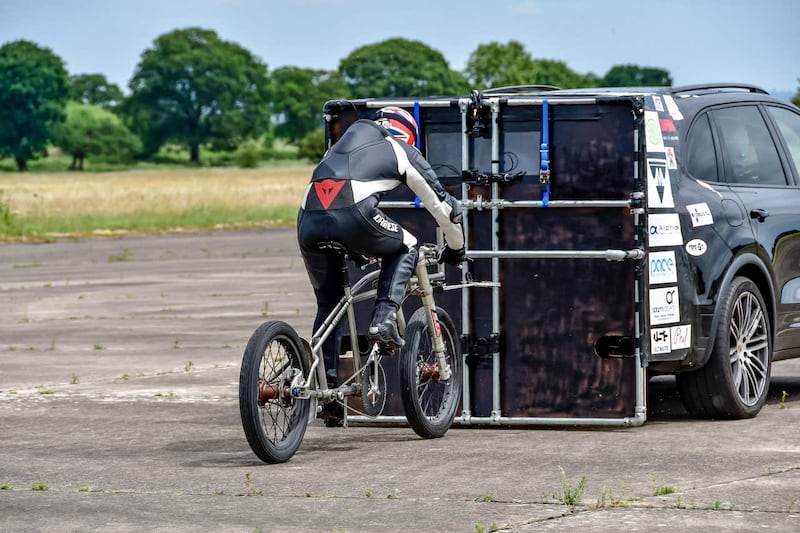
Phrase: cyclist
(371, 158)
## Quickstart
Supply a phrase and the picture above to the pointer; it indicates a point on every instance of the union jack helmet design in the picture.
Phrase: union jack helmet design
(398, 122)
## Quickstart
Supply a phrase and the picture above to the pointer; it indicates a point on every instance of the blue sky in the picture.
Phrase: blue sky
(752, 41)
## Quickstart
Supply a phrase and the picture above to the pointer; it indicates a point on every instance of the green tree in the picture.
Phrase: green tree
(636, 76)
(558, 74)
(312, 146)
(502, 65)
(91, 130)
(796, 98)
(194, 88)
(33, 92)
(299, 96)
(399, 67)
(95, 89)
(499, 65)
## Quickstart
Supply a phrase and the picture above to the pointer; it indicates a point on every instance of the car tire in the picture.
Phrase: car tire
(735, 380)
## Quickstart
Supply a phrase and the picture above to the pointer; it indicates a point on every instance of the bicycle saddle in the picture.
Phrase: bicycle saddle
(341, 249)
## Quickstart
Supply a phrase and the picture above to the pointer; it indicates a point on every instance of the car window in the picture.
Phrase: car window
(789, 124)
(701, 162)
(749, 154)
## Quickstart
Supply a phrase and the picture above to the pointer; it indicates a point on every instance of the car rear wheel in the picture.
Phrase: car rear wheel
(735, 381)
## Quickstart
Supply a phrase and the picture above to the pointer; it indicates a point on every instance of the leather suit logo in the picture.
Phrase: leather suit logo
(327, 190)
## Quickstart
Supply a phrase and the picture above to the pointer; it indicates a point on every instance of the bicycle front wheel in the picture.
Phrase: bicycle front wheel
(274, 421)
(430, 402)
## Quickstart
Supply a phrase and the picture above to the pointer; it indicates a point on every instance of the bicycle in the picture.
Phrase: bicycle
(283, 377)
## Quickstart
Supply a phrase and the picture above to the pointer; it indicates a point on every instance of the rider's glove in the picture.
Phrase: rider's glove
(452, 257)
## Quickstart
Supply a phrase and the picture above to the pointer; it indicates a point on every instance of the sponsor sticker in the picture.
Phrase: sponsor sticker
(663, 268)
(672, 107)
(660, 340)
(652, 129)
(659, 188)
(681, 336)
(696, 247)
(700, 214)
(664, 306)
(665, 340)
(672, 162)
(658, 104)
(664, 230)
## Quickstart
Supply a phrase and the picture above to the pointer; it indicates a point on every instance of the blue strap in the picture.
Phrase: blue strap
(544, 154)
(417, 202)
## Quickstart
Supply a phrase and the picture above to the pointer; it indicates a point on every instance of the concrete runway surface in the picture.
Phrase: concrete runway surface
(119, 362)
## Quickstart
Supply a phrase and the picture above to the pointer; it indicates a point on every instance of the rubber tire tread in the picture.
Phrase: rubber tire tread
(709, 392)
(266, 450)
(416, 332)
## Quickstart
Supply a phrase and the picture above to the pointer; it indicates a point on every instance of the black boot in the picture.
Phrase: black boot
(392, 284)
(385, 329)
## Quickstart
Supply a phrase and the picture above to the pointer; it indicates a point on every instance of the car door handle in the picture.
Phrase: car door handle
(760, 214)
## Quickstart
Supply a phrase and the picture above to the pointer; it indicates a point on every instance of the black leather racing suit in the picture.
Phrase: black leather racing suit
(341, 204)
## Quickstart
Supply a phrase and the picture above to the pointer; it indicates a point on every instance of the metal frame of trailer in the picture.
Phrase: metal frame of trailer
(495, 204)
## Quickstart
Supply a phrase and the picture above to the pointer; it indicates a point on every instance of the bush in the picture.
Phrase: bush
(312, 146)
(249, 154)
(7, 221)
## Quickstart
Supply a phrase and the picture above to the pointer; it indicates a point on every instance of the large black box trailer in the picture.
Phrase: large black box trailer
(551, 307)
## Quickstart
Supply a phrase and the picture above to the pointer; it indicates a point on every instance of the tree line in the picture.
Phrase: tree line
(193, 89)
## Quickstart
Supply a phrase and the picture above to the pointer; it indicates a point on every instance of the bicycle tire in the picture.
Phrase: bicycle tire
(430, 404)
(274, 422)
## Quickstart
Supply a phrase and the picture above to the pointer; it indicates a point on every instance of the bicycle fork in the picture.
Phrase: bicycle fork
(443, 372)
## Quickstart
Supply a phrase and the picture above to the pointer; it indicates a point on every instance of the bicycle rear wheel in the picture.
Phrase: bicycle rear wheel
(430, 403)
(274, 421)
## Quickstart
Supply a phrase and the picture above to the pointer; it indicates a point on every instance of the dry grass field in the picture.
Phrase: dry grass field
(72, 202)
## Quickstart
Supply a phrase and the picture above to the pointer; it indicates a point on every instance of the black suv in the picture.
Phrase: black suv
(737, 157)
(691, 195)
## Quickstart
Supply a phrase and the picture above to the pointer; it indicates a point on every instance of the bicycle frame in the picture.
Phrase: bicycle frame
(420, 285)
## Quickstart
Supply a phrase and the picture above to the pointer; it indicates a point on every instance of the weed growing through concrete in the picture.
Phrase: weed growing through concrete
(784, 397)
(393, 494)
(74, 380)
(571, 496)
(485, 498)
(248, 483)
(189, 366)
(40, 486)
(265, 310)
(124, 255)
(6, 486)
(99, 347)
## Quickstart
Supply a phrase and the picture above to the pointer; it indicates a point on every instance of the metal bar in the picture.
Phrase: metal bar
(609, 255)
(465, 319)
(510, 102)
(506, 204)
(409, 103)
(496, 407)
(627, 421)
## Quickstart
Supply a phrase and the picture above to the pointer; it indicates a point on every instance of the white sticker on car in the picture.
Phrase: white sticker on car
(681, 336)
(700, 214)
(659, 188)
(696, 247)
(663, 268)
(672, 161)
(652, 131)
(658, 104)
(664, 230)
(664, 306)
(672, 107)
(660, 340)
